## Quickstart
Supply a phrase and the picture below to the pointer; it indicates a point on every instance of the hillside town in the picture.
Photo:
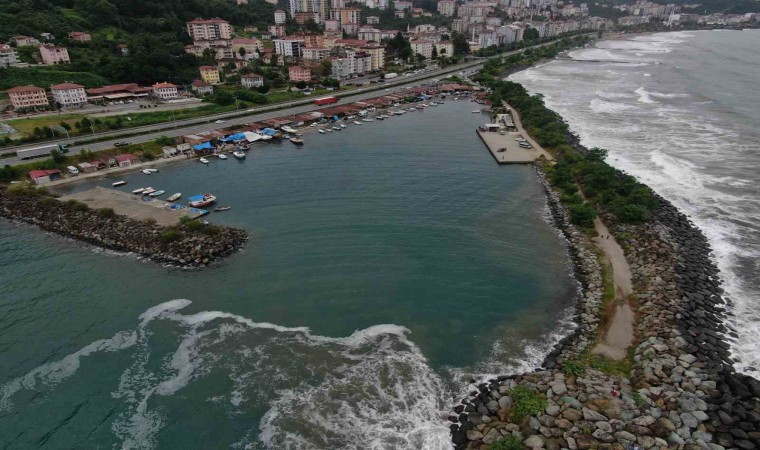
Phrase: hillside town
(317, 43)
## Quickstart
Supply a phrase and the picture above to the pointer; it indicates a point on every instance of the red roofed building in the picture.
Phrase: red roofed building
(44, 176)
(118, 91)
(69, 95)
(80, 36)
(126, 160)
(27, 96)
(165, 91)
(52, 55)
(201, 87)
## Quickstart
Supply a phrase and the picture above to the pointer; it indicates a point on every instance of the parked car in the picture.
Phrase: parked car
(120, 144)
(219, 121)
(73, 170)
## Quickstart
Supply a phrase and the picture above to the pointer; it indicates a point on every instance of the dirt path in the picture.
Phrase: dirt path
(620, 334)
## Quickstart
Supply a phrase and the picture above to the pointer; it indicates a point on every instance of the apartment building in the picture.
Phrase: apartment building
(52, 55)
(209, 29)
(290, 46)
(210, 74)
(27, 96)
(8, 56)
(69, 95)
(165, 91)
(422, 47)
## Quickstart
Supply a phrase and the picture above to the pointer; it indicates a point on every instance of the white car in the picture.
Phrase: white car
(220, 121)
(73, 170)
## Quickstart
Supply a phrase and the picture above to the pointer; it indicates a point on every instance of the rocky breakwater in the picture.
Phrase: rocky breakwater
(189, 245)
(678, 390)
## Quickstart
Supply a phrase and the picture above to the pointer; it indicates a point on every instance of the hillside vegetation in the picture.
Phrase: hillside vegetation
(154, 31)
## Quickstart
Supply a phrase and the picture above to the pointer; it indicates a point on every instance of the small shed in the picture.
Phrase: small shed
(126, 160)
(86, 167)
(44, 176)
(169, 151)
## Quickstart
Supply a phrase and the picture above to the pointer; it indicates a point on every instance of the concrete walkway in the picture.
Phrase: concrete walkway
(521, 130)
(619, 336)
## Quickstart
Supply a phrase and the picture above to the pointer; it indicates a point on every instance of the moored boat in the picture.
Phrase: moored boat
(204, 160)
(118, 183)
(321, 131)
(343, 125)
(157, 193)
(222, 156)
(139, 191)
(238, 154)
(296, 141)
(174, 197)
(148, 190)
(199, 201)
(358, 122)
(337, 128)
(222, 208)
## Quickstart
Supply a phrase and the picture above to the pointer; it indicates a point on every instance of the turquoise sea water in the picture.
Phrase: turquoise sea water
(385, 261)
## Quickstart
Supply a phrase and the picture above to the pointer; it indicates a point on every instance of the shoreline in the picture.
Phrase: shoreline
(682, 389)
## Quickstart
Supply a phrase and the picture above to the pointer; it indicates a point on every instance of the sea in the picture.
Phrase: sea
(680, 111)
(390, 265)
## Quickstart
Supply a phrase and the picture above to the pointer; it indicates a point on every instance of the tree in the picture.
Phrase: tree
(434, 53)
(241, 52)
(223, 98)
(57, 157)
(461, 47)
(65, 126)
(530, 34)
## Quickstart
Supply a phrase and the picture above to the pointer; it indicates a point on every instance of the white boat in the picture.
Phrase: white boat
(148, 190)
(337, 128)
(174, 197)
(238, 154)
(157, 193)
(296, 141)
(118, 183)
(343, 125)
(147, 171)
(139, 191)
(321, 131)
(329, 130)
(288, 129)
(222, 156)
(357, 122)
(380, 117)
(476, 111)
(205, 200)
(204, 160)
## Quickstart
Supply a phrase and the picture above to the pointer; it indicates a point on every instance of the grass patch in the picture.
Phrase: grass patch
(607, 365)
(574, 368)
(27, 125)
(509, 443)
(607, 308)
(527, 402)
(169, 236)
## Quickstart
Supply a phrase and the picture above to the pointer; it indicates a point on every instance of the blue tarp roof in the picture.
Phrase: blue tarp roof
(269, 131)
(336, 118)
(203, 146)
(233, 137)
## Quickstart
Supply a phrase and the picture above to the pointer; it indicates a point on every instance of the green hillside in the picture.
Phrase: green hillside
(153, 30)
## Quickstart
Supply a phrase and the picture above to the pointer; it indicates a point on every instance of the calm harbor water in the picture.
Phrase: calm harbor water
(680, 112)
(386, 260)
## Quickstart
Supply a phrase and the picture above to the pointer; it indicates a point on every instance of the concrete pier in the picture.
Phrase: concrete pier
(514, 154)
(133, 206)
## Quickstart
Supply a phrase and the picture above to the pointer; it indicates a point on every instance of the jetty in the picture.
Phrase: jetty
(501, 139)
(134, 206)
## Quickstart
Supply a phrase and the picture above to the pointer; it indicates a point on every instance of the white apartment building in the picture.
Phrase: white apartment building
(209, 29)
(69, 95)
(289, 46)
(422, 47)
(8, 56)
(447, 7)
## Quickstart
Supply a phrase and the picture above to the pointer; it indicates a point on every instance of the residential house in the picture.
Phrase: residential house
(52, 54)
(165, 91)
(251, 80)
(444, 48)
(25, 40)
(200, 87)
(276, 30)
(315, 53)
(86, 167)
(422, 47)
(27, 96)
(44, 176)
(250, 48)
(280, 17)
(47, 37)
(123, 49)
(290, 46)
(304, 17)
(80, 36)
(126, 160)
(69, 95)
(210, 74)
(373, 20)
(299, 73)
(209, 29)
(8, 56)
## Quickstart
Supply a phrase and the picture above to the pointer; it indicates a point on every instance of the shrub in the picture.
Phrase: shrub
(509, 443)
(574, 368)
(106, 213)
(527, 402)
(170, 236)
(582, 214)
(77, 206)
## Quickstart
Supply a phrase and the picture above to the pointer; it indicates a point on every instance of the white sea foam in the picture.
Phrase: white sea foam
(603, 107)
(644, 96)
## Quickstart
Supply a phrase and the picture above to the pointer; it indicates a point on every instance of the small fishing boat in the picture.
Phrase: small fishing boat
(204, 160)
(222, 156)
(244, 147)
(380, 117)
(329, 130)
(238, 154)
(476, 111)
(343, 125)
(139, 191)
(147, 171)
(174, 197)
(148, 191)
(199, 201)
(223, 208)
(296, 141)
(157, 193)
(357, 122)
(321, 131)
(337, 128)
(118, 183)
